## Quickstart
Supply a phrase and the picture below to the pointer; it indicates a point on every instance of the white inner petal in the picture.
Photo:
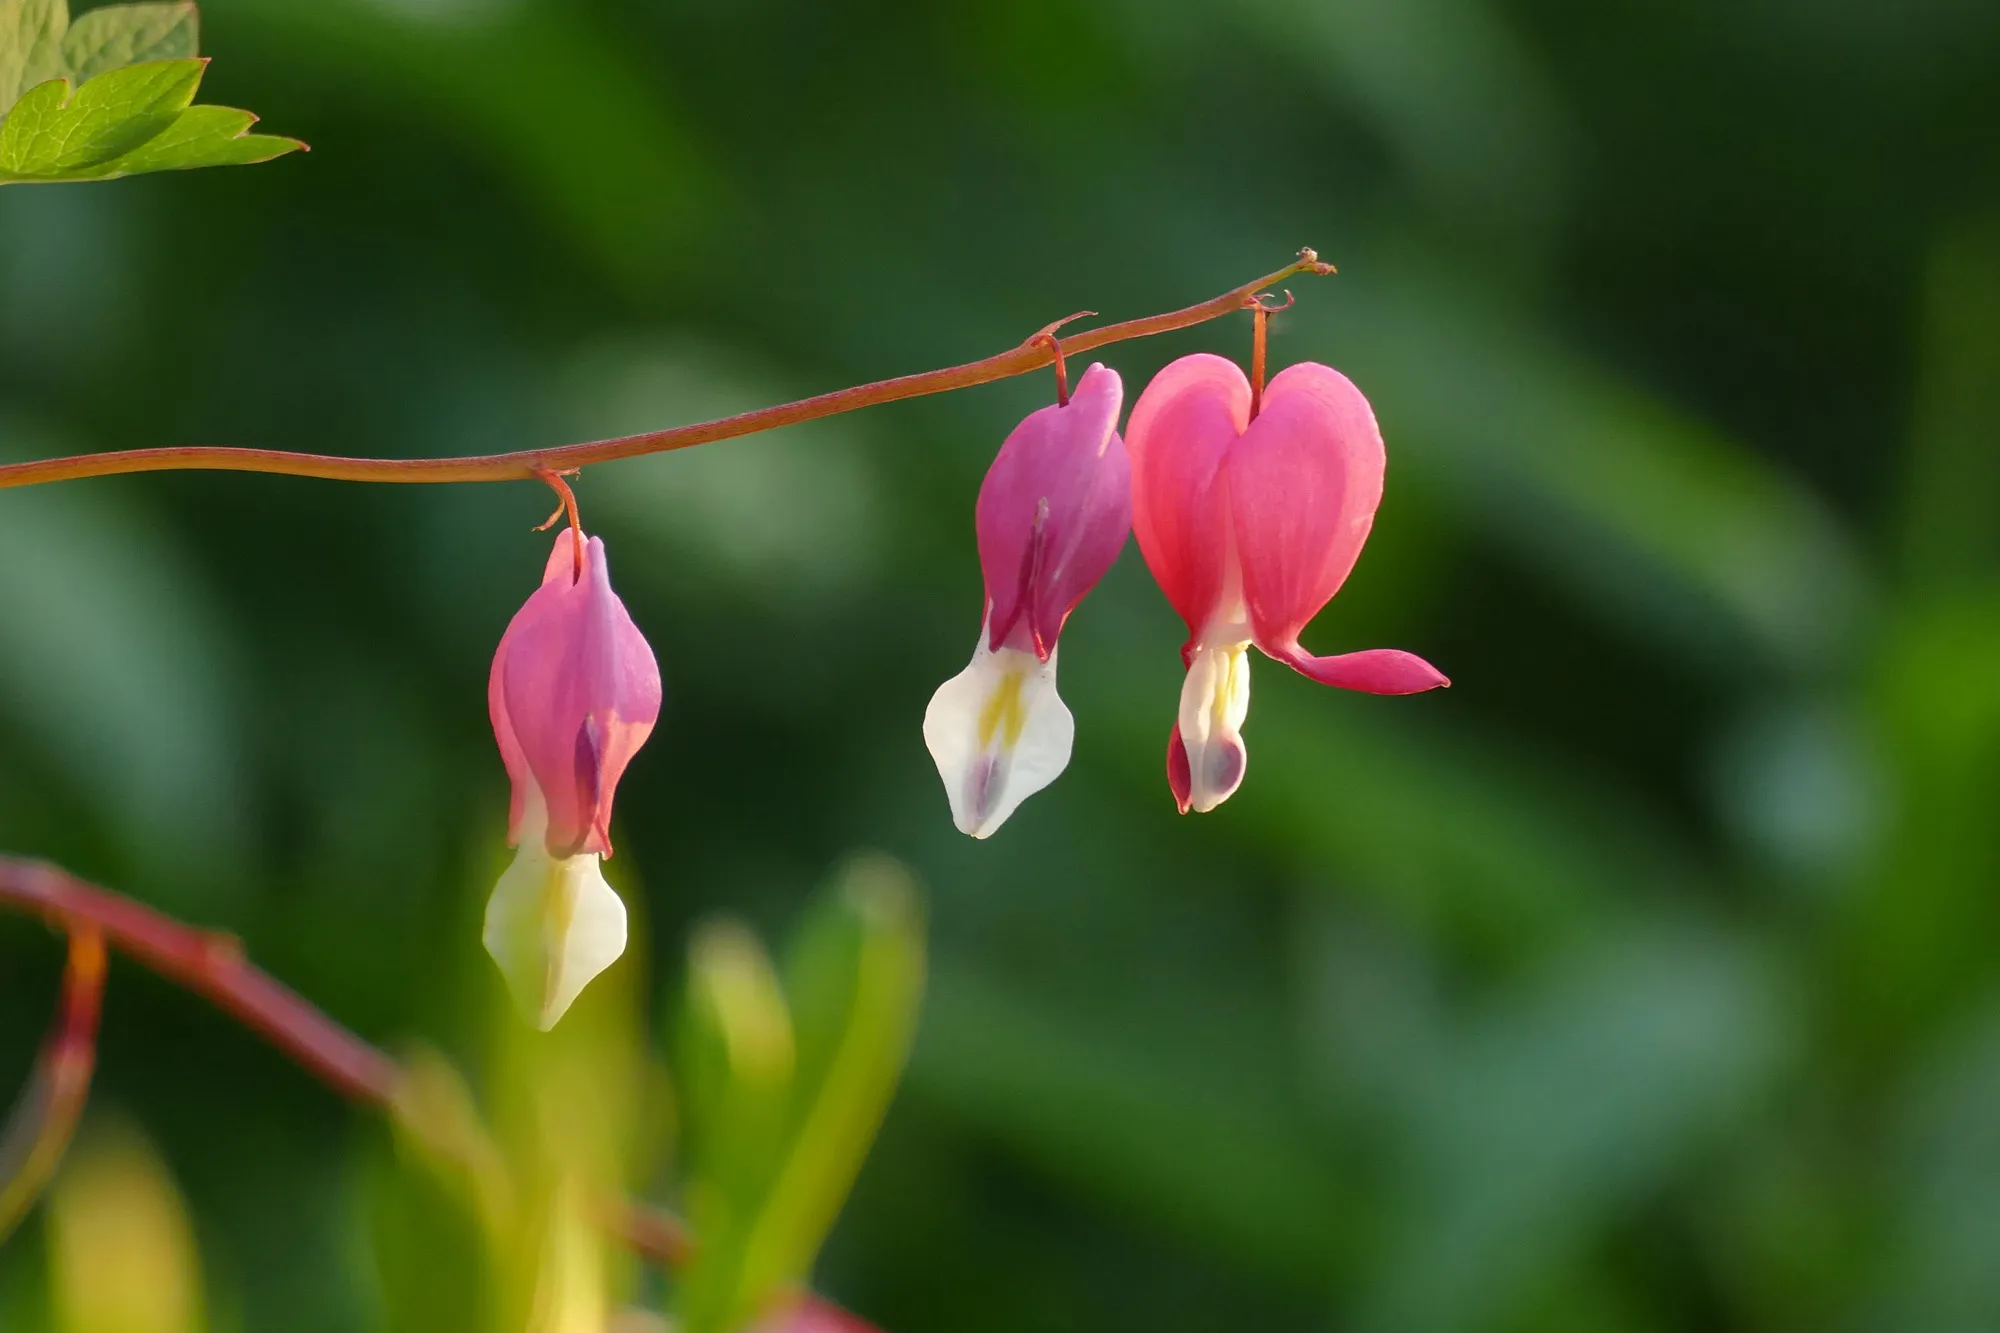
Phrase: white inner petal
(1215, 698)
(999, 734)
(552, 923)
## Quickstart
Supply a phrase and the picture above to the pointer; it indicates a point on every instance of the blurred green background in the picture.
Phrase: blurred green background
(1648, 979)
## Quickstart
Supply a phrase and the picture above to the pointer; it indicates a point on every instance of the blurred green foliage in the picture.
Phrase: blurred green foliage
(1648, 979)
(784, 1086)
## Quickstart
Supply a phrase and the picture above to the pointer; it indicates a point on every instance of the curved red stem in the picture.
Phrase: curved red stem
(525, 464)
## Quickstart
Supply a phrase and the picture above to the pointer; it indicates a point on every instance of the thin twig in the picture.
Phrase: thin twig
(45, 1118)
(1037, 352)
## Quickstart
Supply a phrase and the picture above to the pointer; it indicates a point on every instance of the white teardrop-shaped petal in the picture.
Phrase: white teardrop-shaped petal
(999, 734)
(552, 925)
(1215, 698)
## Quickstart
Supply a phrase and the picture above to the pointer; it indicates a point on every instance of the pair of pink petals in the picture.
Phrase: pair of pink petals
(574, 692)
(1290, 497)
(1053, 513)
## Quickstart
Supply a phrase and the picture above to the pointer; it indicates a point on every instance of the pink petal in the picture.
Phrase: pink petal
(1373, 671)
(1182, 428)
(1304, 482)
(582, 692)
(1053, 513)
(557, 573)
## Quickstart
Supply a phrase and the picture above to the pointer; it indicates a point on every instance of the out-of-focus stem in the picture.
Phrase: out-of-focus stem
(1037, 352)
(39, 1132)
(211, 965)
(653, 1232)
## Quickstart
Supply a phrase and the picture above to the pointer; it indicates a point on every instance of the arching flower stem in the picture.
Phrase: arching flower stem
(528, 463)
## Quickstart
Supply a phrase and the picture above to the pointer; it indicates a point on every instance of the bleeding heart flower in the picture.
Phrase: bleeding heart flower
(573, 695)
(1052, 516)
(1251, 520)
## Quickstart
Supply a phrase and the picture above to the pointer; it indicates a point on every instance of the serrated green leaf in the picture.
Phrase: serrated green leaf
(53, 132)
(132, 120)
(31, 34)
(119, 35)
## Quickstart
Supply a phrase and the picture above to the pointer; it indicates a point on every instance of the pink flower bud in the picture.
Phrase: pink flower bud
(1052, 516)
(573, 694)
(1250, 527)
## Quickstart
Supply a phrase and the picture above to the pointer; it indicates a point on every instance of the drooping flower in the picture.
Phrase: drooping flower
(1052, 516)
(573, 694)
(1250, 525)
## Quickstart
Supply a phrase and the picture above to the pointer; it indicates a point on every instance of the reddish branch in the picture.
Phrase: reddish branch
(211, 965)
(1040, 350)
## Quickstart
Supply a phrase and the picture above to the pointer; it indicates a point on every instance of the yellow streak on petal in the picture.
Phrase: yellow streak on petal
(559, 913)
(1003, 712)
(1228, 685)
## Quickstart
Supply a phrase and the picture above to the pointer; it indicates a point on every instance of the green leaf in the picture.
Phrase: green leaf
(118, 35)
(53, 132)
(132, 120)
(854, 976)
(31, 33)
(738, 1055)
(204, 136)
(433, 1260)
(134, 72)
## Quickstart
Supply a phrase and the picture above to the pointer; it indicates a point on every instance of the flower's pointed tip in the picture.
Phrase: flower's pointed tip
(1373, 671)
(553, 925)
(974, 823)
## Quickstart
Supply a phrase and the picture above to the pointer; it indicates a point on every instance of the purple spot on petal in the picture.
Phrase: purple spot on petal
(1223, 762)
(589, 773)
